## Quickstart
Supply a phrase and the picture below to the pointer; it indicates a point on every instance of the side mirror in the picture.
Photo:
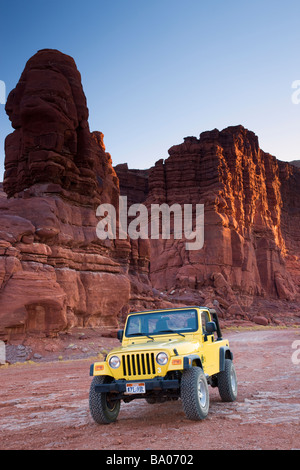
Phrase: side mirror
(210, 327)
(120, 335)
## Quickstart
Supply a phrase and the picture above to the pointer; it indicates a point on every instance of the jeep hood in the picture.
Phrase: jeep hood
(182, 346)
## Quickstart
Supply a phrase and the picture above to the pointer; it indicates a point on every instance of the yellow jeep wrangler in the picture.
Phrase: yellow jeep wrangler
(165, 355)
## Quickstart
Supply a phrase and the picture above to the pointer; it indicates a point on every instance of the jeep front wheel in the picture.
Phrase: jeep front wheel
(103, 407)
(194, 394)
(227, 382)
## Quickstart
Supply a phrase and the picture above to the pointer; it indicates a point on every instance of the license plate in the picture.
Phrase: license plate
(136, 388)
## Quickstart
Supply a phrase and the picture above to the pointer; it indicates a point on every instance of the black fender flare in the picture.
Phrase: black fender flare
(188, 361)
(224, 353)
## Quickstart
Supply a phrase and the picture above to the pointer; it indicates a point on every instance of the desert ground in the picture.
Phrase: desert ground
(44, 400)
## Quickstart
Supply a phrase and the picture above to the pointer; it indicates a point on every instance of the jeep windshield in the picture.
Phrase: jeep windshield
(162, 323)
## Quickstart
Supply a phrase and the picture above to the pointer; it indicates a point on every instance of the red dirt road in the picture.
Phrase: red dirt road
(45, 405)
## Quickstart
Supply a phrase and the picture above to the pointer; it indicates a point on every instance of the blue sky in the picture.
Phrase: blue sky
(157, 71)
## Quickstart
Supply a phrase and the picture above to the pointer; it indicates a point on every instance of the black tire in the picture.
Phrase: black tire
(194, 394)
(227, 382)
(102, 408)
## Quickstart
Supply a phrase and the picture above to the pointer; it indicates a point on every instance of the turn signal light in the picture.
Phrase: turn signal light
(176, 362)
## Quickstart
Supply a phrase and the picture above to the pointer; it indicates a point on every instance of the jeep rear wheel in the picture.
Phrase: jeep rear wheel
(103, 407)
(194, 394)
(227, 382)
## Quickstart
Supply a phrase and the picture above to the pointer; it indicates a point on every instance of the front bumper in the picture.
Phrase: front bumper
(119, 386)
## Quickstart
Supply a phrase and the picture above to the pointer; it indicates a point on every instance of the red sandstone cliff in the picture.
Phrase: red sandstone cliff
(54, 271)
(250, 258)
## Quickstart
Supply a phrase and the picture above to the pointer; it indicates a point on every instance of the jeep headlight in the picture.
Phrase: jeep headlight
(162, 358)
(114, 362)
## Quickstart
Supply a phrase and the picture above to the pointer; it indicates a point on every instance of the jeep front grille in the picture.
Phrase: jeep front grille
(138, 364)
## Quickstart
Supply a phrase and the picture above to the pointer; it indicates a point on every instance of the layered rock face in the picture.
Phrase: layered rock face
(251, 246)
(133, 183)
(54, 271)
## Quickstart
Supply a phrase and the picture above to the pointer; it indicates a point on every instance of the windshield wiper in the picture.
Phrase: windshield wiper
(140, 334)
(171, 331)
